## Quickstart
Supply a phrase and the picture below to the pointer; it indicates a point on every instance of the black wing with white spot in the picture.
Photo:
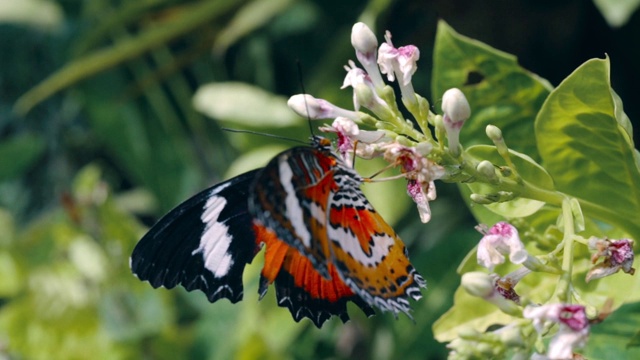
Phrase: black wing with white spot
(204, 243)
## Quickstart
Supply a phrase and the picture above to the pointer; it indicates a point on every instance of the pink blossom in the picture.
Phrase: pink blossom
(500, 240)
(573, 328)
(616, 254)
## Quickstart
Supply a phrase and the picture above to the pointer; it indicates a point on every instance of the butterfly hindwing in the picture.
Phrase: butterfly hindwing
(204, 243)
(368, 253)
(300, 288)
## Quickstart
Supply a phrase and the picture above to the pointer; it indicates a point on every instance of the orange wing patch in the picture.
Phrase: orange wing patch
(299, 287)
(370, 256)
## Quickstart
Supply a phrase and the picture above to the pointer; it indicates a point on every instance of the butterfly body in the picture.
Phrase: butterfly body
(325, 244)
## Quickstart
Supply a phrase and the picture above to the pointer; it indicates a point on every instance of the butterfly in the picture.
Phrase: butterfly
(325, 244)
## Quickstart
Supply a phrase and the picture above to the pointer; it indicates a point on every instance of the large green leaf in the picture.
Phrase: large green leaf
(499, 91)
(585, 141)
(611, 338)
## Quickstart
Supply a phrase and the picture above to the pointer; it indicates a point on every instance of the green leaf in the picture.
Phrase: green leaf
(499, 91)
(250, 17)
(244, 104)
(610, 339)
(467, 312)
(23, 150)
(585, 141)
(528, 169)
(193, 16)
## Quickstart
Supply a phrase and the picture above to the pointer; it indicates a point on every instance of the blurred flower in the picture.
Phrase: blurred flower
(500, 240)
(573, 327)
(617, 254)
(490, 288)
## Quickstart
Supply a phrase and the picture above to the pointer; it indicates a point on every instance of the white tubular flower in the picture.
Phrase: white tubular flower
(349, 134)
(366, 44)
(502, 239)
(456, 111)
(307, 106)
(573, 329)
(357, 77)
(420, 173)
(401, 63)
(616, 254)
(489, 288)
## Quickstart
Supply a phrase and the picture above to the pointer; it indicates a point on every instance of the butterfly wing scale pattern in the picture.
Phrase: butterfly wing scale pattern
(368, 253)
(204, 243)
(325, 244)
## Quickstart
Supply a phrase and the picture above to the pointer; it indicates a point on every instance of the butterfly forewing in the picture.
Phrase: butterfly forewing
(204, 243)
(290, 197)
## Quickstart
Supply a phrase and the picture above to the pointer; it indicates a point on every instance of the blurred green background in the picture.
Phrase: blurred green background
(100, 134)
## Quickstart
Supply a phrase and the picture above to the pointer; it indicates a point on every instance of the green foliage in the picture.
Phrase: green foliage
(584, 140)
(499, 91)
(113, 134)
(583, 127)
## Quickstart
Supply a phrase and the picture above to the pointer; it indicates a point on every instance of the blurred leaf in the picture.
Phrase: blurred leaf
(19, 153)
(582, 127)
(43, 14)
(528, 169)
(244, 104)
(499, 91)
(250, 17)
(617, 12)
(196, 15)
(610, 339)
(467, 312)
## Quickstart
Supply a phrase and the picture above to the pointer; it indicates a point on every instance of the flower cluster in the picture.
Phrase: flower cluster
(395, 138)
(426, 148)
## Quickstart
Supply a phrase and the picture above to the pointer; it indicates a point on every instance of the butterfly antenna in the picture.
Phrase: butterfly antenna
(304, 92)
(264, 134)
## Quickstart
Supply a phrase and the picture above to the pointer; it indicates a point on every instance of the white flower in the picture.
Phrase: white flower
(365, 44)
(399, 62)
(308, 106)
(500, 240)
(360, 81)
(349, 134)
(419, 171)
(573, 328)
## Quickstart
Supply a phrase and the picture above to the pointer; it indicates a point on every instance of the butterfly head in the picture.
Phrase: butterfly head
(321, 143)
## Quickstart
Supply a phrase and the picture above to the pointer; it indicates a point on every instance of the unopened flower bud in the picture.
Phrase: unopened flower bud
(363, 39)
(456, 111)
(313, 108)
(487, 170)
(478, 284)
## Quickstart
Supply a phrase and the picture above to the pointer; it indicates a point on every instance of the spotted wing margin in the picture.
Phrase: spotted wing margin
(204, 243)
(299, 287)
(290, 197)
(367, 252)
